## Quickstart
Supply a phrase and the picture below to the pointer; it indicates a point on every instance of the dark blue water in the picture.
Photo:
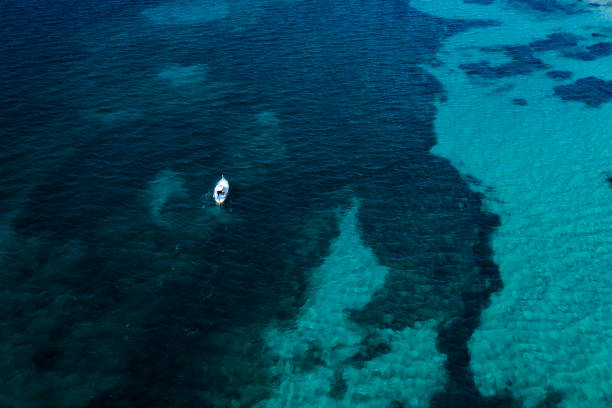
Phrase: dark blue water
(106, 305)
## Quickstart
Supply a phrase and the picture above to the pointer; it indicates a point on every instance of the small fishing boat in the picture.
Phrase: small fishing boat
(221, 191)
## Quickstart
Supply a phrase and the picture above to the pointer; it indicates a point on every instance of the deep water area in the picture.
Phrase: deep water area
(352, 263)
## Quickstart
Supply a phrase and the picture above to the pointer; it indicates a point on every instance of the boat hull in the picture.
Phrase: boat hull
(221, 191)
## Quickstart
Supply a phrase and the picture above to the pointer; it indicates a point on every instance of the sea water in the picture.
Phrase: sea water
(419, 213)
(546, 162)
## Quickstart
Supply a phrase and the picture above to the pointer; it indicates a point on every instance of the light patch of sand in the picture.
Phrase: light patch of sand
(165, 186)
(550, 327)
(315, 358)
(181, 75)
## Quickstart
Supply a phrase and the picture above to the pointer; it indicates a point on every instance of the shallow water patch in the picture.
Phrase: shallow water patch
(315, 360)
(544, 332)
(180, 75)
(166, 186)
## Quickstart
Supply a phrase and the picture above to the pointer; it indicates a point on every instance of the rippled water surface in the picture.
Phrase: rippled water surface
(404, 180)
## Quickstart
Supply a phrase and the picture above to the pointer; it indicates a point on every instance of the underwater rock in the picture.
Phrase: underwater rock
(559, 74)
(549, 6)
(553, 399)
(555, 41)
(595, 51)
(396, 404)
(486, 70)
(338, 386)
(524, 55)
(370, 348)
(591, 90)
(523, 63)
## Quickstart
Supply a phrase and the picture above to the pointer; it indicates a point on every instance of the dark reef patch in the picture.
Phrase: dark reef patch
(550, 6)
(555, 41)
(370, 348)
(559, 74)
(593, 52)
(523, 55)
(523, 62)
(473, 180)
(449, 274)
(591, 90)
(552, 399)
(338, 387)
(567, 42)
(519, 101)
(546, 6)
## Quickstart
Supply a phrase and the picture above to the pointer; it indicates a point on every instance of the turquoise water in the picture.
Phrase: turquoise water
(420, 211)
(546, 165)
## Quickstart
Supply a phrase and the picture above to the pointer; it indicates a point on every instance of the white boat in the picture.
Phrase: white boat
(221, 191)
